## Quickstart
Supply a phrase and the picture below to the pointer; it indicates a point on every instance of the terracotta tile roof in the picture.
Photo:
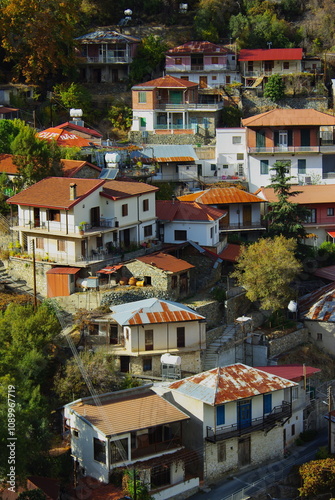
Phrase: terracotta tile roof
(290, 372)
(166, 262)
(137, 411)
(310, 194)
(153, 311)
(198, 47)
(63, 138)
(71, 167)
(74, 126)
(54, 192)
(116, 190)
(166, 82)
(230, 253)
(270, 55)
(219, 196)
(166, 159)
(319, 305)
(92, 489)
(229, 383)
(6, 164)
(167, 210)
(289, 118)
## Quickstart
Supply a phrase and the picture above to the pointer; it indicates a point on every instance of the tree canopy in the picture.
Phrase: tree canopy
(266, 270)
(318, 476)
(274, 88)
(285, 218)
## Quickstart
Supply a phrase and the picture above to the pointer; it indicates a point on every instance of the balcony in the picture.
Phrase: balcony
(328, 221)
(108, 59)
(289, 149)
(188, 106)
(242, 226)
(264, 423)
(61, 228)
(156, 448)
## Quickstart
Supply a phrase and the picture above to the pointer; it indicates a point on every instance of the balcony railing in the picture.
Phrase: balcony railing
(289, 149)
(237, 226)
(321, 221)
(164, 104)
(154, 448)
(62, 227)
(266, 422)
(108, 59)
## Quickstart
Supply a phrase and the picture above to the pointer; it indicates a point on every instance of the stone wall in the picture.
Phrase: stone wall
(253, 104)
(236, 304)
(23, 269)
(287, 342)
(211, 309)
(152, 138)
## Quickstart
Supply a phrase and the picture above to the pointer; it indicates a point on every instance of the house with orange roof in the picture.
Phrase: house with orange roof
(243, 210)
(181, 221)
(319, 199)
(170, 105)
(131, 430)
(303, 137)
(64, 138)
(82, 169)
(139, 333)
(205, 63)
(81, 221)
(237, 413)
(93, 136)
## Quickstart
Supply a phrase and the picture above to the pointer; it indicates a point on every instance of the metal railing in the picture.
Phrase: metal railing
(164, 104)
(259, 423)
(322, 148)
(108, 59)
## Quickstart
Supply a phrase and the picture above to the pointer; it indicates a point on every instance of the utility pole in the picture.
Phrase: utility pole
(329, 401)
(34, 272)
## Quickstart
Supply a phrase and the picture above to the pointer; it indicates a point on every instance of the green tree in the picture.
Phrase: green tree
(38, 37)
(317, 477)
(274, 89)
(73, 95)
(150, 56)
(266, 269)
(120, 116)
(8, 131)
(32, 495)
(285, 218)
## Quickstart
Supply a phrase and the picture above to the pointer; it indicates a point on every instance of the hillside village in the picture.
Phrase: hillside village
(137, 364)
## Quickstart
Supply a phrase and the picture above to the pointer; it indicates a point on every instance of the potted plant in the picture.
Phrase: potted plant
(82, 227)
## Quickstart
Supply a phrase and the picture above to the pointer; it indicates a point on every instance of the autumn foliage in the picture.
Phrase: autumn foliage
(317, 477)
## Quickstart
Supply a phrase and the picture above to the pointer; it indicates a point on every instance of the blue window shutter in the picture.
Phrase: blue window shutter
(220, 415)
(267, 403)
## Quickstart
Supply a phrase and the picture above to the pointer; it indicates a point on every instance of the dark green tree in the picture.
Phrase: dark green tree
(150, 57)
(274, 89)
(32, 495)
(8, 131)
(285, 218)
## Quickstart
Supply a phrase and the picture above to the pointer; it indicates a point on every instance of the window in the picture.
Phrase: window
(40, 243)
(213, 166)
(124, 210)
(264, 167)
(61, 246)
(75, 433)
(174, 282)
(330, 211)
(240, 156)
(178, 61)
(99, 450)
(180, 336)
(267, 403)
(160, 476)
(119, 450)
(286, 65)
(147, 364)
(211, 232)
(99, 242)
(53, 215)
(145, 205)
(301, 166)
(225, 166)
(220, 415)
(143, 122)
(93, 329)
(180, 235)
(149, 340)
(293, 430)
(221, 447)
(295, 393)
(147, 231)
(312, 215)
(213, 78)
(250, 66)
(237, 139)
(215, 60)
(319, 336)
(142, 97)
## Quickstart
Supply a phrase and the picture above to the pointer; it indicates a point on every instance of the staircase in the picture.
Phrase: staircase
(211, 359)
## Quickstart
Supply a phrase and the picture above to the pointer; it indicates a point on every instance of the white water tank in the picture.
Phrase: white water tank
(112, 159)
(169, 359)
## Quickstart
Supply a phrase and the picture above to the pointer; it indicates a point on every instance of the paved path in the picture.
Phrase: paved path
(247, 477)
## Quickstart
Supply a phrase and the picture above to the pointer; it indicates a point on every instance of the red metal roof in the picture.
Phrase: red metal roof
(166, 82)
(198, 47)
(110, 269)
(270, 55)
(231, 252)
(230, 383)
(166, 262)
(219, 196)
(290, 372)
(63, 138)
(74, 126)
(186, 211)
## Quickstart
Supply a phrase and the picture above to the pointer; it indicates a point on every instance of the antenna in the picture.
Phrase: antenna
(269, 44)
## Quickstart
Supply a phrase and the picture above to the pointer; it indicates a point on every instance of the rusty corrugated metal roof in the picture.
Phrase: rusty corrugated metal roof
(106, 36)
(126, 414)
(271, 55)
(198, 47)
(319, 305)
(290, 118)
(229, 383)
(326, 272)
(151, 311)
(166, 262)
(219, 196)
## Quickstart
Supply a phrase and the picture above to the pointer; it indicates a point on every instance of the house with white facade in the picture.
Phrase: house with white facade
(205, 63)
(237, 415)
(76, 221)
(134, 429)
(139, 333)
(231, 154)
(180, 221)
(303, 137)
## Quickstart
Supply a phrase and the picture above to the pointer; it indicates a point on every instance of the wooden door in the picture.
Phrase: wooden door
(203, 82)
(246, 215)
(124, 364)
(244, 414)
(95, 216)
(244, 454)
(83, 249)
(113, 334)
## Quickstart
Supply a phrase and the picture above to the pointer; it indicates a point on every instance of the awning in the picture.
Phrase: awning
(109, 269)
(331, 233)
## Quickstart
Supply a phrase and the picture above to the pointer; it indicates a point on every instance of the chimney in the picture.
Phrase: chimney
(73, 191)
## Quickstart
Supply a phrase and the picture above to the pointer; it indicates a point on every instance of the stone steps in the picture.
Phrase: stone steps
(212, 351)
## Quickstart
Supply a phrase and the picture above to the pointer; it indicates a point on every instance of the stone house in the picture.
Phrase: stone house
(237, 416)
(134, 426)
(139, 333)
